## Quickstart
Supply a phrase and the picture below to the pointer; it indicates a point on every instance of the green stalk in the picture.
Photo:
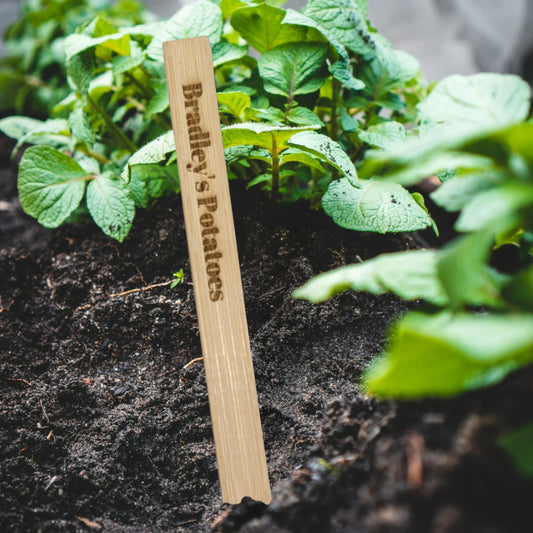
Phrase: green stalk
(335, 88)
(119, 135)
(99, 157)
(275, 168)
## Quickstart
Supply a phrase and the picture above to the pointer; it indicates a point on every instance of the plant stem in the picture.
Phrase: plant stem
(275, 168)
(336, 87)
(119, 135)
(145, 92)
(99, 157)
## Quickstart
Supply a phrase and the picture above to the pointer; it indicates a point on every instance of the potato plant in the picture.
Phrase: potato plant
(476, 134)
(302, 97)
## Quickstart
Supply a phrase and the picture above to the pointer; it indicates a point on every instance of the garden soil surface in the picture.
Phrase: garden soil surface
(104, 415)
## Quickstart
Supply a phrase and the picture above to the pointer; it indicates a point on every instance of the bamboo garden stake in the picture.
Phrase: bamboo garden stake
(215, 270)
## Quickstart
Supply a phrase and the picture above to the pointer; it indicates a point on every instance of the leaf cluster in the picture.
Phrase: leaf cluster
(477, 137)
(32, 75)
(302, 96)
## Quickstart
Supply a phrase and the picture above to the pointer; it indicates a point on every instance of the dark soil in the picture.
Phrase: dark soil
(104, 424)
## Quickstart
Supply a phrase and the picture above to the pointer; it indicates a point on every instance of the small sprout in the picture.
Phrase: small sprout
(180, 277)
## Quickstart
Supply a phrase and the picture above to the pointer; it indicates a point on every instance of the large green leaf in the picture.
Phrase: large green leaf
(111, 205)
(479, 101)
(294, 68)
(261, 135)
(340, 69)
(328, 150)
(447, 354)
(261, 26)
(50, 185)
(193, 20)
(377, 206)
(345, 20)
(410, 275)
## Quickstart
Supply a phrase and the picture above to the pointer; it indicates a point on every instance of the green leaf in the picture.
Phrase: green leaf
(303, 117)
(295, 155)
(447, 354)
(111, 205)
(122, 64)
(294, 68)
(236, 153)
(229, 6)
(388, 70)
(138, 189)
(498, 208)
(80, 68)
(519, 291)
(340, 70)
(479, 101)
(349, 124)
(159, 102)
(455, 193)
(410, 275)
(153, 152)
(345, 20)
(261, 135)
(261, 26)
(234, 102)
(76, 43)
(464, 272)
(224, 52)
(80, 126)
(17, 127)
(157, 180)
(383, 135)
(519, 445)
(294, 18)
(327, 150)
(50, 185)
(192, 20)
(375, 206)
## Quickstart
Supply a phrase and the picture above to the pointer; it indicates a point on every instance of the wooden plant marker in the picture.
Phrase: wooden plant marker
(215, 269)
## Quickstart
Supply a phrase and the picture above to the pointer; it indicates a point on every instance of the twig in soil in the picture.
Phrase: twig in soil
(141, 289)
(89, 523)
(131, 291)
(2, 309)
(190, 363)
(45, 416)
(51, 482)
(415, 465)
(20, 379)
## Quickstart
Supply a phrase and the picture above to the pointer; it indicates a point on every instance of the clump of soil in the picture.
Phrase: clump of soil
(104, 419)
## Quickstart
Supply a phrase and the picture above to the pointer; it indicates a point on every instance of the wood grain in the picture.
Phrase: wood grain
(215, 271)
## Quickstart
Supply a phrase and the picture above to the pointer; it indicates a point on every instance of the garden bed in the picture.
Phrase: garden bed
(104, 420)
